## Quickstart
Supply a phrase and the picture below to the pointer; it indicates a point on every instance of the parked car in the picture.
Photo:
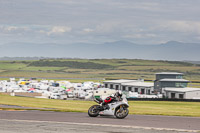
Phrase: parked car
(70, 95)
(63, 97)
(81, 96)
(55, 96)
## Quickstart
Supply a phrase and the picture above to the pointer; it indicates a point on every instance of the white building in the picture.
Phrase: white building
(182, 93)
(139, 87)
(116, 84)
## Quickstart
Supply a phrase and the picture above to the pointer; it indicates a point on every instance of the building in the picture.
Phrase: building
(167, 84)
(182, 93)
(138, 86)
(169, 79)
(116, 84)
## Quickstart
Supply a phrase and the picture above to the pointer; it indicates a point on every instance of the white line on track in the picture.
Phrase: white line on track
(105, 125)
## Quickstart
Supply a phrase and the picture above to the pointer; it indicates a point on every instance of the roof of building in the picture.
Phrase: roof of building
(187, 89)
(120, 81)
(142, 84)
(103, 89)
(174, 80)
(170, 73)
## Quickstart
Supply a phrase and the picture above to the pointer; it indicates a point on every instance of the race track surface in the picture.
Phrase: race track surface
(142, 122)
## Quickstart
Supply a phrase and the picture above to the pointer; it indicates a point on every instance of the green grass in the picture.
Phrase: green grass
(136, 107)
(42, 68)
(121, 69)
(11, 66)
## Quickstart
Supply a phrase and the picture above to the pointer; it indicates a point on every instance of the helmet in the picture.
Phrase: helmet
(119, 93)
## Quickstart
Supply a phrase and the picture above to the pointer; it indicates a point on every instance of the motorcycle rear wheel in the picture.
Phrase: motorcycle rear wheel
(121, 113)
(93, 111)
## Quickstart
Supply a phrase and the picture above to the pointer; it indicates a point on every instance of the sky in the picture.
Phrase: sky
(99, 21)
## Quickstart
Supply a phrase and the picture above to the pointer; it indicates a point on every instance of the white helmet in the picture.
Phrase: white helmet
(119, 93)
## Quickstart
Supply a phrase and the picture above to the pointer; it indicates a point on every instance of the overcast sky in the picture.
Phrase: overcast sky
(99, 21)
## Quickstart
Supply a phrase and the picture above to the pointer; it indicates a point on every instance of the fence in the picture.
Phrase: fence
(163, 99)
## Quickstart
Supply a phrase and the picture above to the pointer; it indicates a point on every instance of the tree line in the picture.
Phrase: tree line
(71, 64)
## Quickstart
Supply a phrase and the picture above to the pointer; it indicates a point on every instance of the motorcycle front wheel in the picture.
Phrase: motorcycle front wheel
(121, 112)
(93, 111)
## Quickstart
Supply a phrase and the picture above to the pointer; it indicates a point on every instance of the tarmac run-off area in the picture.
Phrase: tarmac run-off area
(50, 122)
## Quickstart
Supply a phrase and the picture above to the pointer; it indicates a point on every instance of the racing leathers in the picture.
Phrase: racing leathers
(107, 101)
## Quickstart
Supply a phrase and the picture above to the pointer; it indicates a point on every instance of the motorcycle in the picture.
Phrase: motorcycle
(117, 108)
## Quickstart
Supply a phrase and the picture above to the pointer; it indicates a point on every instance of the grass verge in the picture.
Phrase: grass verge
(136, 107)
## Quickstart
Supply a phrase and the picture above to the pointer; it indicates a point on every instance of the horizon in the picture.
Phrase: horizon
(172, 51)
(75, 28)
(21, 58)
(106, 42)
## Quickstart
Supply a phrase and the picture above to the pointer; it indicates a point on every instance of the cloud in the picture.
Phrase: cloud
(140, 35)
(87, 30)
(137, 5)
(10, 28)
(59, 30)
(34, 29)
(182, 26)
(100, 20)
(108, 27)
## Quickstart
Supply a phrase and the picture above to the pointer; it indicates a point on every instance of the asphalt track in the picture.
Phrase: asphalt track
(141, 123)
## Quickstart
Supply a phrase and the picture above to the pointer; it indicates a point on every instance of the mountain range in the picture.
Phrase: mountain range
(171, 50)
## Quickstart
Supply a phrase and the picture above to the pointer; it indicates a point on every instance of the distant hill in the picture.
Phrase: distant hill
(121, 49)
(193, 62)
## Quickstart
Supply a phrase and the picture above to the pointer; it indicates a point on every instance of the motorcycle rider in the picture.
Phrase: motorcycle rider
(117, 96)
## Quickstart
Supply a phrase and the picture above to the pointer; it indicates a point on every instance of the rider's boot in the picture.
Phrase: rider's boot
(101, 106)
(104, 106)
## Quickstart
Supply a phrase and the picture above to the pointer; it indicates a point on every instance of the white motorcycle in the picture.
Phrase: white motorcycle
(117, 108)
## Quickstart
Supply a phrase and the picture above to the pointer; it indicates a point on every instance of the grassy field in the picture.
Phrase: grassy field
(111, 69)
(136, 107)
